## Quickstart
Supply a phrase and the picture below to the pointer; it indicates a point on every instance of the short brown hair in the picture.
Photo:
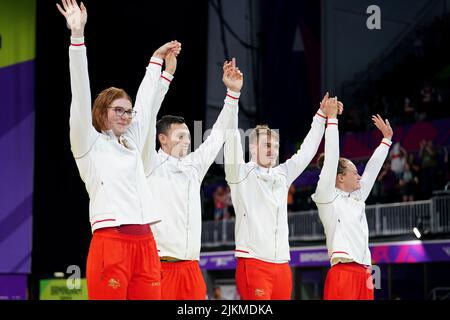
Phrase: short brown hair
(341, 165)
(102, 102)
(259, 130)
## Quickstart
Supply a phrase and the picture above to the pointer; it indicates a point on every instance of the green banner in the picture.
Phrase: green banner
(60, 289)
(17, 31)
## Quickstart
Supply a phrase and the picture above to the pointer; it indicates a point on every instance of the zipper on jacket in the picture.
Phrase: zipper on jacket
(140, 195)
(276, 225)
(187, 228)
(366, 240)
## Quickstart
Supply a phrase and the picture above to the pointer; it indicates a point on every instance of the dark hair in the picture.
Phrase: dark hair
(102, 102)
(341, 164)
(163, 124)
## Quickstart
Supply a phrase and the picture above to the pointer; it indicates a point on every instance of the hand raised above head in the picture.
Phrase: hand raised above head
(171, 62)
(233, 78)
(330, 106)
(383, 126)
(172, 46)
(326, 97)
(76, 16)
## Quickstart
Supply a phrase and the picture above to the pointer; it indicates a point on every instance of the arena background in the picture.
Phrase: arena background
(291, 53)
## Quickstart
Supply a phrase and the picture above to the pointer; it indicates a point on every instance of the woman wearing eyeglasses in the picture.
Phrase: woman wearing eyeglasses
(107, 143)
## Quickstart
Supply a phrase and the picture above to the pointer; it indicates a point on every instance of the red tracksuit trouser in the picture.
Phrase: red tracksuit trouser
(182, 280)
(261, 280)
(123, 267)
(349, 281)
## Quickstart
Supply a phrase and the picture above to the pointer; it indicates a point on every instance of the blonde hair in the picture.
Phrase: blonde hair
(260, 130)
(341, 165)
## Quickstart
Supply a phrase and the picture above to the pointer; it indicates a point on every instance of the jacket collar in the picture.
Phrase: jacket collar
(355, 194)
(260, 169)
(110, 134)
(167, 156)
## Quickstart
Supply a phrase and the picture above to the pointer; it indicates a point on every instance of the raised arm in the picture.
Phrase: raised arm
(82, 132)
(233, 153)
(375, 163)
(149, 153)
(327, 179)
(204, 156)
(151, 93)
(308, 149)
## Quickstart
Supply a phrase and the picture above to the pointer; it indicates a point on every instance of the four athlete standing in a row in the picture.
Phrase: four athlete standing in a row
(145, 206)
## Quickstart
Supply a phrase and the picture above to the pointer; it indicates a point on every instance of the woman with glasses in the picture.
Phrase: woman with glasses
(107, 143)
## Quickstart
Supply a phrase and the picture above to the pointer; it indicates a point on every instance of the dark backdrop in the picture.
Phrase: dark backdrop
(120, 39)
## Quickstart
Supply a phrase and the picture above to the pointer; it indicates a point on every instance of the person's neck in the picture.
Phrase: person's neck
(113, 133)
(266, 166)
(169, 152)
(343, 188)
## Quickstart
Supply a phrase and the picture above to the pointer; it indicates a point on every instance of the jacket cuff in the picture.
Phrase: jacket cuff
(155, 61)
(386, 142)
(232, 97)
(332, 123)
(167, 77)
(320, 116)
(77, 42)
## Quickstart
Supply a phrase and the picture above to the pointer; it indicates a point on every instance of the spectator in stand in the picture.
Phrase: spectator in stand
(388, 181)
(440, 178)
(428, 159)
(412, 161)
(222, 202)
(409, 114)
(219, 203)
(228, 203)
(427, 101)
(398, 159)
(291, 198)
(407, 184)
(217, 294)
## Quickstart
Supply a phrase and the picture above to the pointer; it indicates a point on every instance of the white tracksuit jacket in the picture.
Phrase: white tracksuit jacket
(175, 187)
(260, 195)
(113, 174)
(343, 214)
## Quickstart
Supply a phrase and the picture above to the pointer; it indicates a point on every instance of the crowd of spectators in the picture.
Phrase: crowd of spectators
(416, 89)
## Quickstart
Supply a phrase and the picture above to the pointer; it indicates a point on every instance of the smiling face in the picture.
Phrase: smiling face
(264, 146)
(118, 118)
(108, 112)
(349, 180)
(176, 140)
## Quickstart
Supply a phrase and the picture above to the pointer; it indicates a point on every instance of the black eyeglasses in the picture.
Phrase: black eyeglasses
(119, 111)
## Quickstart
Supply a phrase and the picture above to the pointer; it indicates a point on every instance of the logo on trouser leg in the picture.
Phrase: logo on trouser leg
(113, 283)
(259, 292)
(156, 284)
